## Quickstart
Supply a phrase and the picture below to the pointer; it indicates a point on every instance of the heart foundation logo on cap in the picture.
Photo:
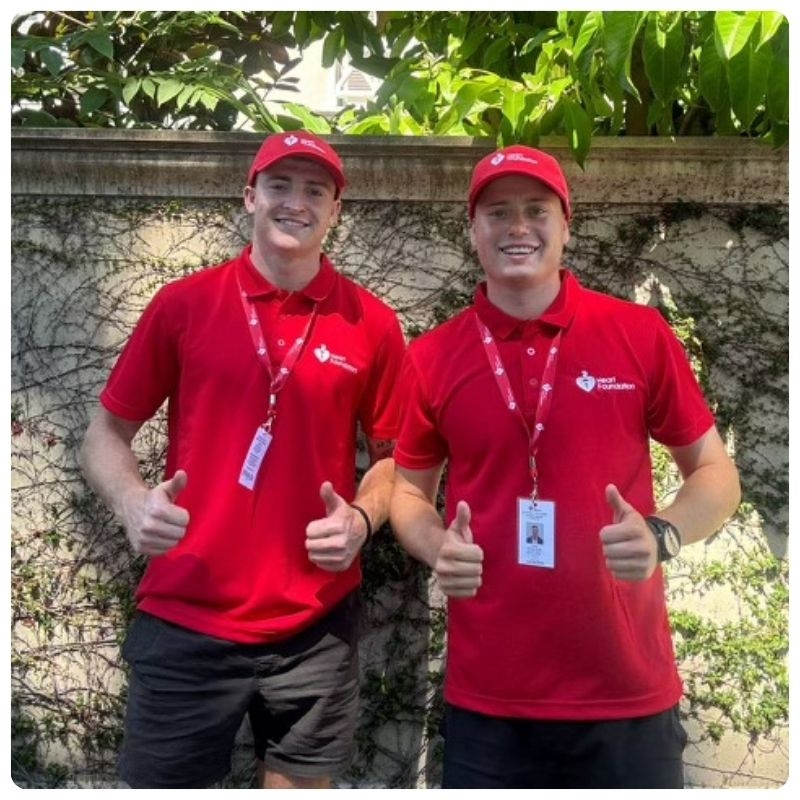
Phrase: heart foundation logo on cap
(291, 140)
(498, 159)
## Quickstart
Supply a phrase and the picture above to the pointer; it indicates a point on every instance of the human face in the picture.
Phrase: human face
(519, 232)
(293, 204)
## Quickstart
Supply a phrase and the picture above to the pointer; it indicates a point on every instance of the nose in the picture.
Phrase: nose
(293, 199)
(518, 223)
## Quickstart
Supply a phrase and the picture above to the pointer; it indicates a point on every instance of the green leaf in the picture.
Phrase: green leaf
(99, 40)
(578, 127)
(494, 52)
(130, 90)
(376, 125)
(732, 31)
(93, 99)
(52, 59)
(712, 77)
(663, 53)
(302, 27)
(778, 81)
(17, 57)
(620, 31)
(331, 48)
(311, 122)
(149, 87)
(33, 118)
(748, 71)
(513, 102)
(208, 99)
(186, 97)
(167, 89)
(771, 22)
(588, 34)
(475, 39)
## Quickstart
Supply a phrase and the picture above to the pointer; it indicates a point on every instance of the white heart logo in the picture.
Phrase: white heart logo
(586, 381)
(322, 353)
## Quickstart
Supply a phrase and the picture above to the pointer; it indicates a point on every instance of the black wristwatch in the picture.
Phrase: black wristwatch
(667, 536)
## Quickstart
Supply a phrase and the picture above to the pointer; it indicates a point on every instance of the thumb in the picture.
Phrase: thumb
(617, 502)
(175, 485)
(460, 524)
(332, 501)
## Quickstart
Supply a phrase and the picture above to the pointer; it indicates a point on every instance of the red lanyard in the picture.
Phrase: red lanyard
(276, 382)
(507, 393)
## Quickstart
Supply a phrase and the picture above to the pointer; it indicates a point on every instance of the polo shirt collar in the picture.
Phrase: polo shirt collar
(558, 315)
(256, 285)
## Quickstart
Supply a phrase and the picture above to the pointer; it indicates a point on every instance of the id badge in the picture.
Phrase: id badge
(255, 455)
(536, 532)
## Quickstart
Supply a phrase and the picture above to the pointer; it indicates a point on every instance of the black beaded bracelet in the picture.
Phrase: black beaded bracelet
(367, 521)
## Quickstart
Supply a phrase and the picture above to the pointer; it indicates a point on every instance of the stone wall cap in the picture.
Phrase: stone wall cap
(166, 163)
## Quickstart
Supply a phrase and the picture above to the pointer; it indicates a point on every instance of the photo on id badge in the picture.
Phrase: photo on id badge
(536, 533)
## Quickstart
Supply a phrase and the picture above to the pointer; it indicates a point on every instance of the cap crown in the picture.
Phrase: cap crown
(519, 160)
(295, 144)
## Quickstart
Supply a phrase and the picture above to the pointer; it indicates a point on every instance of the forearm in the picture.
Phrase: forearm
(108, 462)
(710, 492)
(414, 518)
(705, 500)
(375, 491)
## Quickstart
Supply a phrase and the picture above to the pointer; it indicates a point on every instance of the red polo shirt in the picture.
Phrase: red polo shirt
(242, 571)
(569, 642)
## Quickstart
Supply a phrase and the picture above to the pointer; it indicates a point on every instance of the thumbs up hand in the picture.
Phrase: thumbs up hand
(333, 541)
(628, 544)
(459, 565)
(153, 521)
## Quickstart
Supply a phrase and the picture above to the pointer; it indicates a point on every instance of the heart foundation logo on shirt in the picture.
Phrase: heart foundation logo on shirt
(322, 353)
(586, 381)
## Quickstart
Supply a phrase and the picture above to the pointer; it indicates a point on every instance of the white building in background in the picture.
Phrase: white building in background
(327, 90)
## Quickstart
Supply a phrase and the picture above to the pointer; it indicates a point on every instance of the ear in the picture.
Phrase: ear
(249, 198)
(336, 212)
(472, 235)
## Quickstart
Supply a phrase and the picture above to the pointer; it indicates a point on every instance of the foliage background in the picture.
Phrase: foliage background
(514, 76)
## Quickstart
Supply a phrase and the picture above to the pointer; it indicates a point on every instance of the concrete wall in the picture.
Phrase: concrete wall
(100, 219)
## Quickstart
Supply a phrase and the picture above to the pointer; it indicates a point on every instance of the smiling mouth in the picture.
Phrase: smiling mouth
(290, 222)
(518, 250)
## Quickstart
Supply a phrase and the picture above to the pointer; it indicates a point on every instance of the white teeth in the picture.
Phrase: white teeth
(518, 251)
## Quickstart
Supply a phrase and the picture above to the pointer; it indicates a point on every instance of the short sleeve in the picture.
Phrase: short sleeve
(677, 413)
(146, 371)
(419, 446)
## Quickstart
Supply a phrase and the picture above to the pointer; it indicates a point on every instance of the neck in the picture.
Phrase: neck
(290, 274)
(523, 302)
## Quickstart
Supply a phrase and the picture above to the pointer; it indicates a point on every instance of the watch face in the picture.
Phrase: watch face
(669, 540)
(672, 542)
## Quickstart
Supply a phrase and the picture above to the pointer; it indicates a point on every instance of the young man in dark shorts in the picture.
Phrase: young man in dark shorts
(542, 398)
(268, 364)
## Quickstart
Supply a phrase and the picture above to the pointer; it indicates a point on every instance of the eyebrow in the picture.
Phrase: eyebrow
(285, 176)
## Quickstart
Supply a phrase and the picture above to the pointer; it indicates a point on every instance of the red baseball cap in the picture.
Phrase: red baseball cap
(519, 160)
(297, 143)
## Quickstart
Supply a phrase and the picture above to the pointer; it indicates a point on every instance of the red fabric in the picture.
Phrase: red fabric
(570, 642)
(242, 572)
